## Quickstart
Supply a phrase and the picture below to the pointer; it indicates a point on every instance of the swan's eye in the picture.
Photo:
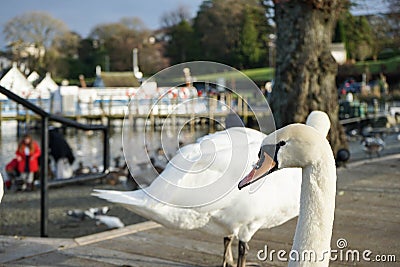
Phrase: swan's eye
(282, 143)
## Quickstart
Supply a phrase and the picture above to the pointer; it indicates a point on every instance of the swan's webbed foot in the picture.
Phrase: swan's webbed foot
(228, 257)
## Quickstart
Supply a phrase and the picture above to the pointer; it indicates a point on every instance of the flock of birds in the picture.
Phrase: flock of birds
(98, 215)
(372, 143)
(291, 172)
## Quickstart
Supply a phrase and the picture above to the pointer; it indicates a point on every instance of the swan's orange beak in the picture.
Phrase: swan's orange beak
(264, 166)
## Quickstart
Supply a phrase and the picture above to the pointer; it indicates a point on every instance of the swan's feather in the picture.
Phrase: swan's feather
(143, 204)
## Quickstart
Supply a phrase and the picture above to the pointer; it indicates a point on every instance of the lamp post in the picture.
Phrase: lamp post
(271, 46)
(135, 62)
(136, 70)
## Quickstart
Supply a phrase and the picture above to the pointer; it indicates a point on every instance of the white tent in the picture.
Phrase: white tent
(34, 76)
(46, 86)
(16, 82)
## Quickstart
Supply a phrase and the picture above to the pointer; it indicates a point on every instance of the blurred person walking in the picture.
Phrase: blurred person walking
(62, 154)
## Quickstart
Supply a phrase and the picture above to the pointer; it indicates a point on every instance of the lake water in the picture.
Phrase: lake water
(88, 146)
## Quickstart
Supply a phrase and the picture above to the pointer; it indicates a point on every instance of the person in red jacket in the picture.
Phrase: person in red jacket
(28, 154)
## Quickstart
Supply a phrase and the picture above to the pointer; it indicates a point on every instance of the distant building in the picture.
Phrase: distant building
(30, 50)
(115, 79)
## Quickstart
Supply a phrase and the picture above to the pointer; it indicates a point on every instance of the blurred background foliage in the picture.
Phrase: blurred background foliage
(239, 33)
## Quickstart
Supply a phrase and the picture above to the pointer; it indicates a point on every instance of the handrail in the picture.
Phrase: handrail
(72, 123)
(44, 185)
(23, 102)
(39, 111)
(79, 178)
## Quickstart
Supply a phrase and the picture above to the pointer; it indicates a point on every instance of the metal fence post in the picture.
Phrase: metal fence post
(106, 151)
(44, 198)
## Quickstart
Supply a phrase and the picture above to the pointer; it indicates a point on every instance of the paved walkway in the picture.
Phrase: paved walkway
(367, 217)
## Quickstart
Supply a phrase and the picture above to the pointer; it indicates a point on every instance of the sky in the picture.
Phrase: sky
(364, 7)
(83, 15)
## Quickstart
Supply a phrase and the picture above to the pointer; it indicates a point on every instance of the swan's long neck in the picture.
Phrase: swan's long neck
(317, 207)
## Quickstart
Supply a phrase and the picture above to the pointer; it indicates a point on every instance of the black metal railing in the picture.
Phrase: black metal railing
(44, 183)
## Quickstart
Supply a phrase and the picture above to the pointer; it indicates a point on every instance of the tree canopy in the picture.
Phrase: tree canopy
(31, 36)
(36, 28)
(118, 41)
(234, 32)
(229, 31)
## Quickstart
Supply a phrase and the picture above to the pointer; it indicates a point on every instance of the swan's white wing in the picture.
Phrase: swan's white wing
(220, 158)
(214, 157)
(211, 155)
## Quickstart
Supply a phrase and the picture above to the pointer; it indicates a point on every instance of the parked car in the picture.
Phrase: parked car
(350, 85)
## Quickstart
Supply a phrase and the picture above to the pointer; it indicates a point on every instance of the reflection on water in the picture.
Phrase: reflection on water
(88, 146)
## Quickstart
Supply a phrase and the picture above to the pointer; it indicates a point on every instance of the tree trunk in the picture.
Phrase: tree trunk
(305, 70)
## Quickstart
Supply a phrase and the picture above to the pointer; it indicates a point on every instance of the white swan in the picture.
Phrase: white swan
(302, 146)
(216, 161)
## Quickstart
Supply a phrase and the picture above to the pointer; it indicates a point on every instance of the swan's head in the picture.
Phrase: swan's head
(320, 121)
(293, 146)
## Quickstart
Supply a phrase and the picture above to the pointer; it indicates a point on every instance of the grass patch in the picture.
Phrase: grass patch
(390, 65)
(260, 74)
(257, 75)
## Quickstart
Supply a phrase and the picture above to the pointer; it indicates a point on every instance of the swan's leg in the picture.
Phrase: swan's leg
(243, 248)
(228, 258)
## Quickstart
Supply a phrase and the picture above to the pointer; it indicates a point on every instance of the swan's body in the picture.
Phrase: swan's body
(302, 146)
(224, 156)
(175, 210)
